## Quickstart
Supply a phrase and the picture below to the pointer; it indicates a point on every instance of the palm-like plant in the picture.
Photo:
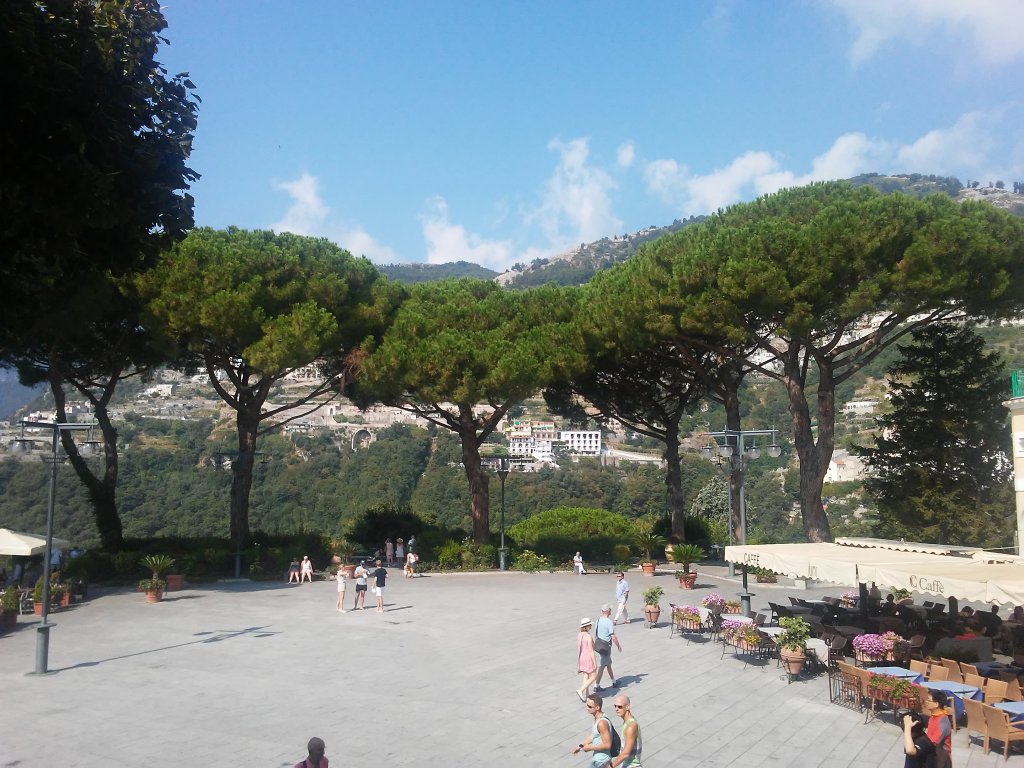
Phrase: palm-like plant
(687, 554)
(157, 565)
(648, 542)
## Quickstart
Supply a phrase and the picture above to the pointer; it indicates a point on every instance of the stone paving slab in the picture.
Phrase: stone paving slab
(465, 669)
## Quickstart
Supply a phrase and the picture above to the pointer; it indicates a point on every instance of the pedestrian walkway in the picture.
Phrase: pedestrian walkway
(462, 670)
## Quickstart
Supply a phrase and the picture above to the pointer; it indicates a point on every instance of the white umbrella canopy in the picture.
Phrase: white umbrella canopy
(18, 543)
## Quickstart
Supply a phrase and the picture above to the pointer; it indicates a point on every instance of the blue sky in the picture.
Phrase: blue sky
(498, 132)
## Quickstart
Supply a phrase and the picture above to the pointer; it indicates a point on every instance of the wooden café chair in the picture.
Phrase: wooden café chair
(921, 667)
(1012, 687)
(938, 672)
(968, 668)
(976, 721)
(955, 676)
(995, 691)
(976, 680)
(999, 728)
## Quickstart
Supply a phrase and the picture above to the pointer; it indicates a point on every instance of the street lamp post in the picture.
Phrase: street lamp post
(43, 630)
(502, 474)
(733, 449)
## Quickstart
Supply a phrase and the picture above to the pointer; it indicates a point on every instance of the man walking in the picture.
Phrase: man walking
(381, 576)
(629, 755)
(605, 632)
(621, 596)
(360, 573)
(600, 736)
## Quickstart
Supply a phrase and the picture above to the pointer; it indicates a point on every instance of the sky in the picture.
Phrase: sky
(501, 132)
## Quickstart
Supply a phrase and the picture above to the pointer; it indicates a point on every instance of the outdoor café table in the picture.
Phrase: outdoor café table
(819, 648)
(1014, 708)
(737, 618)
(772, 631)
(993, 668)
(906, 674)
(956, 690)
(847, 630)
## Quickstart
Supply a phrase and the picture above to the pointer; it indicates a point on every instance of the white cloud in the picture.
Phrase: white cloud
(575, 206)
(992, 27)
(309, 215)
(964, 145)
(451, 242)
(626, 155)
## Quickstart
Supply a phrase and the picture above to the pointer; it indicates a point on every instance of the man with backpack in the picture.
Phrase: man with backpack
(604, 743)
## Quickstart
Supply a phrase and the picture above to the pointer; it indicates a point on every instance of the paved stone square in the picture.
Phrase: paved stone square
(462, 670)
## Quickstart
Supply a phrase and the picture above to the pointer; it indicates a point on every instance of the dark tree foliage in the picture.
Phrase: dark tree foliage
(407, 274)
(939, 472)
(94, 142)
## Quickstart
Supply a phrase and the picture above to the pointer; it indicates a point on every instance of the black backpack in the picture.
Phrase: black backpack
(616, 741)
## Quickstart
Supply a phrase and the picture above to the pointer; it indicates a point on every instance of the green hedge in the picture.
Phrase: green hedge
(558, 533)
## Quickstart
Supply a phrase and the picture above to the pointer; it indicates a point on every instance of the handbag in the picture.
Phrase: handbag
(601, 645)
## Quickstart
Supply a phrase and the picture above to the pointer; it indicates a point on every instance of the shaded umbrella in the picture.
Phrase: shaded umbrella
(18, 543)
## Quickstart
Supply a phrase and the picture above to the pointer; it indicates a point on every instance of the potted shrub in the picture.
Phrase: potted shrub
(651, 608)
(37, 596)
(875, 648)
(345, 552)
(154, 586)
(10, 602)
(648, 541)
(686, 555)
(792, 643)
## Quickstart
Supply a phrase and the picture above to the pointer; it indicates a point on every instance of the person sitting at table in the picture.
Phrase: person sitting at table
(889, 606)
(1018, 615)
(989, 623)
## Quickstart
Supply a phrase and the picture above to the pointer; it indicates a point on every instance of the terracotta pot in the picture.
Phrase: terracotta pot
(154, 595)
(175, 581)
(794, 659)
(687, 580)
(653, 613)
(350, 571)
(37, 608)
(65, 600)
(648, 568)
(8, 619)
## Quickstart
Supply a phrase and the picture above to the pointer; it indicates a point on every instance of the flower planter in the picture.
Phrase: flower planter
(154, 595)
(687, 580)
(647, 568)
(653, 613)
(872, 658)
(731, 609)
(794, 659)
(175, 581)
(8, 619)
(37, 608)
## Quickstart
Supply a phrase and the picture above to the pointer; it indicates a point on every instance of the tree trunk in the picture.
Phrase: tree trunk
(731, 401)
(674, 482)
(814, 457)
(479, 487)
(102, 491)
(247, 422)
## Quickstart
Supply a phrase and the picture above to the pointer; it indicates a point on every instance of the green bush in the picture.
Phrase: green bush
(450, 555)
(621, 553)
(530, 561)
(558, 533)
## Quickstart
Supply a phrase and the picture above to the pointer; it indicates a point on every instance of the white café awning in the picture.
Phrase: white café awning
(966, 573)
(18, 543)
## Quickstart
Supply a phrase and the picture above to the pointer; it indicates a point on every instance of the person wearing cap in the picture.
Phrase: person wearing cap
(600, 744)
(918, 748)
(360, 575)
(632, 745)
(316, 757)
(603, 645)
(307, 570)
(586, 665)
